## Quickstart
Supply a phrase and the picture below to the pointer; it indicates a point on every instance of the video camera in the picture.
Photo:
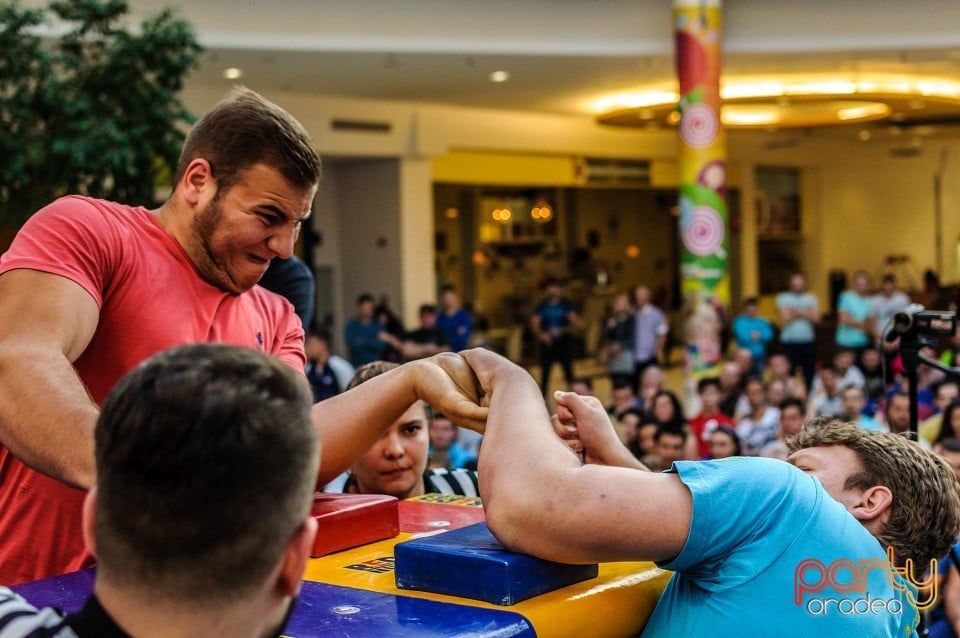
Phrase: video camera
(914, 321)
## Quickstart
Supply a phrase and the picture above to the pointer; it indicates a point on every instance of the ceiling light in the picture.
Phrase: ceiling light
(862, 112)
(233, 73)
(864, 135)
(499, 76)
(796, 101)
(748, 117)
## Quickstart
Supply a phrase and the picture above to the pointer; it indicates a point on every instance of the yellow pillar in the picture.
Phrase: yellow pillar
(703, 179)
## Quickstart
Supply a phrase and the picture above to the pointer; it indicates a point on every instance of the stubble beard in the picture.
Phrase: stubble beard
(203, 226)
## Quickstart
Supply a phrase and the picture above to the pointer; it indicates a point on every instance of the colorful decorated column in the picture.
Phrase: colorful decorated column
(703, 180)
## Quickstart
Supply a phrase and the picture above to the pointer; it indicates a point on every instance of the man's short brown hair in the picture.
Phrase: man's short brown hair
(246, 129)
(925, 515)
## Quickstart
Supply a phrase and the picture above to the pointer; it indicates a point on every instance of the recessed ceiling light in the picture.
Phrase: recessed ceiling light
(864, 135)
(499, 76)
(233, 73)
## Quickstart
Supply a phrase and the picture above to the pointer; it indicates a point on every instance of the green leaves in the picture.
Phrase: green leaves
(95, 111)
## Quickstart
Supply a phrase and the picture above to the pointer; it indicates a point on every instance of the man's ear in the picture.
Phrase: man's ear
(874, 504)
(197, 186)
(89, 521)
(294, 561)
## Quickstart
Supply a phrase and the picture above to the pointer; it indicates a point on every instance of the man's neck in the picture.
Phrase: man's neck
(176, 224)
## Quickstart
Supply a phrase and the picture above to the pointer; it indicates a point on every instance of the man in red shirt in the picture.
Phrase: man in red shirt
(91, 288)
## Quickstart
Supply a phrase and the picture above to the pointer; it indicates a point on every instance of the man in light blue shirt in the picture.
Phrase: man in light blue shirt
(799, 312)
(853, 315)
(759, 547)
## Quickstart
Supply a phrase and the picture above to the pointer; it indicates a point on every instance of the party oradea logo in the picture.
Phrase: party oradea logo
(842, 586)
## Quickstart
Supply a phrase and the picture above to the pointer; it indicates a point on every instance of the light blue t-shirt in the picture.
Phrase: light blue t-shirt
(756, 523)
(745, 328)
(859, 309)
(800, 330)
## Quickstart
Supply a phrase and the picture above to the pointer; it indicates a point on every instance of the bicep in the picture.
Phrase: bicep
(46, 311)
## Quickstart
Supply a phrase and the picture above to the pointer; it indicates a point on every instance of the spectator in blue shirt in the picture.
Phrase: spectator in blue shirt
(754, 333)
(364, 334)
(552, 322)
(454, 320)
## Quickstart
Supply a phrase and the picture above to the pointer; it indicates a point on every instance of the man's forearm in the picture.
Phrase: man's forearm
(349, 423)
(46, 415)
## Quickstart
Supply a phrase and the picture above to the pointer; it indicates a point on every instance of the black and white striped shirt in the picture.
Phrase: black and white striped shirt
(19, 619)
(459, 481)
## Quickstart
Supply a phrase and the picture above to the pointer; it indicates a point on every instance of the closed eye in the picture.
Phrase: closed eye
(268, 219)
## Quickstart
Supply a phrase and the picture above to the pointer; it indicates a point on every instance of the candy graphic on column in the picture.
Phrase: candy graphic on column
(713, 175)
(698, 126)
(703, 235)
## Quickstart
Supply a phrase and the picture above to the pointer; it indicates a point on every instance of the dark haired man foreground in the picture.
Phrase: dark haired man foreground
(206, 462)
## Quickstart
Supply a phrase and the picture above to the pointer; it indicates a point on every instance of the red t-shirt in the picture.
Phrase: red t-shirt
(151, 298)
(703, 426)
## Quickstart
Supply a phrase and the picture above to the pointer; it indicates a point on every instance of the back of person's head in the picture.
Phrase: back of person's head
(206, 466)
(370, 370)
(244, 130)
(925, 514)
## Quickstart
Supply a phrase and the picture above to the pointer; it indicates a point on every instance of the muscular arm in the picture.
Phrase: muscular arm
(350, 422)
(540, 500)
(46, 415)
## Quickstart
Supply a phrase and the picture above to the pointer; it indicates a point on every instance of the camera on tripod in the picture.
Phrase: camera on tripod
(916, 322)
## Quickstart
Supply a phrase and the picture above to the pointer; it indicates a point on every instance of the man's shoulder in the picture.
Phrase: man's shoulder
(73, 213)
(19, 618)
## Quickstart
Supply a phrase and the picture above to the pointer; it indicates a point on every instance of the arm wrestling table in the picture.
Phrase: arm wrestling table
(354, 592)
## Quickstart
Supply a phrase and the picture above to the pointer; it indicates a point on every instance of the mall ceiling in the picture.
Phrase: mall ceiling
(562, 56)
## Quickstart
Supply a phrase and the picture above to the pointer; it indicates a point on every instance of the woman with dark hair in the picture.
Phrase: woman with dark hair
(666, 410)
(724, 443)
(950, 425)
